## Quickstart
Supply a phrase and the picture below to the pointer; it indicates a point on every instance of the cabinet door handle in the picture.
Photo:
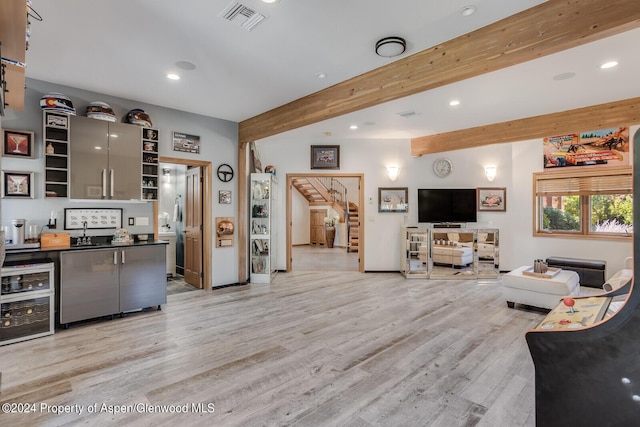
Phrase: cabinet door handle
(111, 183)
(123, 257)
(115, 257)
(104, 183)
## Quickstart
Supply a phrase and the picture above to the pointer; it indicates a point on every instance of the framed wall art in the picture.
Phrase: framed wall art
(492, 199)
(17, 143)
(325, 157)
(186, 143)
(17, 184)
(393, 199)
(224, 197)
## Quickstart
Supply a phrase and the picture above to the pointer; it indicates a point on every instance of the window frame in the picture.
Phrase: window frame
(583, 181)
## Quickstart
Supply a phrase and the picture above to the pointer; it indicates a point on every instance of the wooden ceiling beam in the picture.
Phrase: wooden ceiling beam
(602, 116)
(550, 27)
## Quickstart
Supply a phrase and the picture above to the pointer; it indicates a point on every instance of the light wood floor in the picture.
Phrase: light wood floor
(321, 258)
(310, 349)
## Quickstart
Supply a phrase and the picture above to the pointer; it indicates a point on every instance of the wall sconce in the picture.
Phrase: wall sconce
(392, 172)
(490, 172)
(166, 175)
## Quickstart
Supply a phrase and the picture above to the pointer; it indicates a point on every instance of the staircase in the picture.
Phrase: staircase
(324, 191)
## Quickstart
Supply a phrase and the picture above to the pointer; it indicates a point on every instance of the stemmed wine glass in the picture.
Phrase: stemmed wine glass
(18, 140)
(16, 186)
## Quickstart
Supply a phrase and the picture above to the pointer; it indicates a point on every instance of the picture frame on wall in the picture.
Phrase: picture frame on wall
(17, 143)
(393, 199)
(224, 197)
(17, 185)
(186, 143)
(492, 199)
(325, 157)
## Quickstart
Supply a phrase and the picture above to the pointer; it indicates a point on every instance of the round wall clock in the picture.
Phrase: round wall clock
(442, 167)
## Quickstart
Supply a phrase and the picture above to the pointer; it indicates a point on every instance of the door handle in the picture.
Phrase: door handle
(104, 183)
(111, 183)
(115, 257)
(123, 260)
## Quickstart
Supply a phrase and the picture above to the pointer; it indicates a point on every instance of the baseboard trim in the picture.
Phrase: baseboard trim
(229, 285)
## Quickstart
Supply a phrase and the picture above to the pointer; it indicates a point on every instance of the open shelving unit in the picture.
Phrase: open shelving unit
(150, 164)
(56, 154)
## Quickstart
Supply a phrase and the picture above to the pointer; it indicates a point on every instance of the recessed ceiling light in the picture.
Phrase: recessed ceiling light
(321, 75)
(353, 127)
(609, 64)
(467, 10)
(186, 65)
(564, 76)
(172, 76)
(270, 1)
(454, 102)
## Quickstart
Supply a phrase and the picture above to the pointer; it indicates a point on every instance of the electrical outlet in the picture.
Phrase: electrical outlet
(131, 221)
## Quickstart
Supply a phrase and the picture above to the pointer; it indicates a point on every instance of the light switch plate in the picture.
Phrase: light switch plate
(131, 220)
(142, 220)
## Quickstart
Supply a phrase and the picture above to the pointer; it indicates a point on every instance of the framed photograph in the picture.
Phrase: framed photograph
(150, 134)
(492, 199)
(57, 120)
(185, 142)
(224, 197)
(17, 143)
(325, 157)
(17, 184)
(393, 199)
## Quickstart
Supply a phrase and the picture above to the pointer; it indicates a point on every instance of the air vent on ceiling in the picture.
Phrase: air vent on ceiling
(242, 15)
(407, 114)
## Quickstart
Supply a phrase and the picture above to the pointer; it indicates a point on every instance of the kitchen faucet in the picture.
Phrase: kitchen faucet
(84, 240)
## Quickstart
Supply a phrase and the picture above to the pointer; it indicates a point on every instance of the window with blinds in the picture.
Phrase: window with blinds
(589, 201)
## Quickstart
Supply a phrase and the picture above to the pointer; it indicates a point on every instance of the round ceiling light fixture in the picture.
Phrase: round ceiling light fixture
(389, 47)
(467, 10)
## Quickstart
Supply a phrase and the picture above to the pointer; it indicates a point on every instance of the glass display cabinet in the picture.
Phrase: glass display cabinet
(262, 253)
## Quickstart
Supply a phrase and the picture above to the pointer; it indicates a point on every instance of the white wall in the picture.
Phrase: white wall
(219, 144)
(515, 162)
(300, 227)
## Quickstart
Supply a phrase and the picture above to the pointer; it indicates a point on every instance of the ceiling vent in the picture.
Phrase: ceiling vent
(407, 114)
(242, 15)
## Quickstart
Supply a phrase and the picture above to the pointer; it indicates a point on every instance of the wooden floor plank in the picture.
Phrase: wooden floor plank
(309, 349)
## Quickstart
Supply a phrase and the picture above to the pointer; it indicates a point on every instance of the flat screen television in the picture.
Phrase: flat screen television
(452, 205)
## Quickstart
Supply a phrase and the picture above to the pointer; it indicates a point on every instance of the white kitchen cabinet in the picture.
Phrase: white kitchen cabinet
(170, 236)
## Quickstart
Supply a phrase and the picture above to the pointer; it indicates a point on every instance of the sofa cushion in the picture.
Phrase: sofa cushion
(590, 271)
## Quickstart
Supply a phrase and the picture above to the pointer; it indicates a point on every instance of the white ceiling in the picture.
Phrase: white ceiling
(125, 48)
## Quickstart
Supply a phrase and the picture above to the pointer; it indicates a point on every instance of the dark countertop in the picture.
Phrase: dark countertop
(98, 244)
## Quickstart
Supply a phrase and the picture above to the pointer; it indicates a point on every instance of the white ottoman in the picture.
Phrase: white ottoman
(538, 292)
(452, 255)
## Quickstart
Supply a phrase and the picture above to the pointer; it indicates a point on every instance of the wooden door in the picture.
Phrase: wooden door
(317, 236)
(193, 228)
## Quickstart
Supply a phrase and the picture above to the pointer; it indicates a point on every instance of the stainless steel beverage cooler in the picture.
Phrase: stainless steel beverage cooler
(27, 303)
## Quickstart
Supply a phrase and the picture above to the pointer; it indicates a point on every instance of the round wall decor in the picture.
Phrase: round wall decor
(442, 167)
(225, 172)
